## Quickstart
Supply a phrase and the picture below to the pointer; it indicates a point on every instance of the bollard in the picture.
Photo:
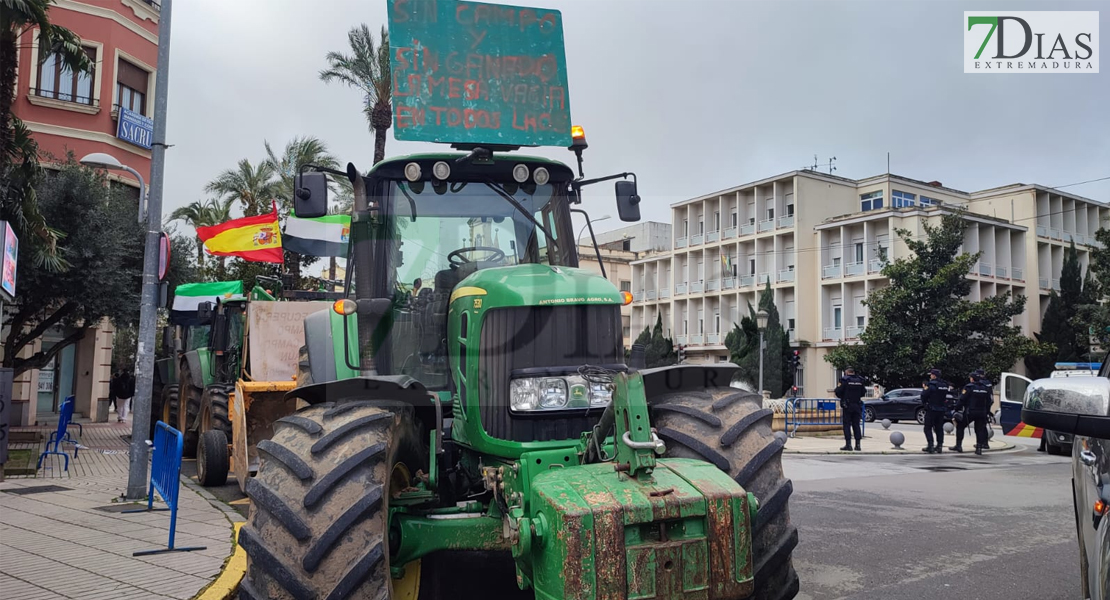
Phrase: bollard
(886, 423)
(949, 428)
(898, 438)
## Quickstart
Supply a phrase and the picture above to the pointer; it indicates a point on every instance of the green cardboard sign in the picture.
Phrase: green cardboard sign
(475, 73)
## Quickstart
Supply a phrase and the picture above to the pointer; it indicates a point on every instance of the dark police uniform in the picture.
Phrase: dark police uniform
(851, 391)
(976, 400)
(935, 397)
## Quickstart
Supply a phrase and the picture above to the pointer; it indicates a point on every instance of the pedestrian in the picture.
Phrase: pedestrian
(935, 399)
(976, 400)
(851, 390)
(126, 390)
(114, 392)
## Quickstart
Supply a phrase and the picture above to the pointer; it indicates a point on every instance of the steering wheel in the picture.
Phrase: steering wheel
(457, 259)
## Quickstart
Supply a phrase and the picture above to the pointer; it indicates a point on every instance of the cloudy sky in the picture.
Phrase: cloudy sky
(692, 95)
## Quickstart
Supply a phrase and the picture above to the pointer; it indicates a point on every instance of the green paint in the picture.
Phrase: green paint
(338, 322)
(420, 536)
(474, 73)
(992, 21)
(632, 419)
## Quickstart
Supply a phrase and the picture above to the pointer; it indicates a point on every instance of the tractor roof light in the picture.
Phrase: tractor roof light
(441, 170)
(520, 173)
(344, 307)
(412, 171)
(578, 137)
(541, 176)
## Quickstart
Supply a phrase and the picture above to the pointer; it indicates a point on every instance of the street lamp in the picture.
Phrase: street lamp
(100, 160)
(761, 323)
(578, 240)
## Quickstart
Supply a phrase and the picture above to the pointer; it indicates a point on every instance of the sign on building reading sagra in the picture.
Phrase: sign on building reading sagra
(475, 73)
(135, 128)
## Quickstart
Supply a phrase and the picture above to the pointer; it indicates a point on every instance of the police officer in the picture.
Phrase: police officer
(935, 398)
(982, 379)
(960, 413)
(851, 390)
(976, 400)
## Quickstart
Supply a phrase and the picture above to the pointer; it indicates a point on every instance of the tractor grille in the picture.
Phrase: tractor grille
(544, 336)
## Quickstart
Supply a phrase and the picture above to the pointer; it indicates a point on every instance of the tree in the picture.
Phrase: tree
(1061, 326)
(255, 187)
(923, 320)
(659, 351)
(366, 68)
(103, 246)
(743, 345)
(299, 152)
(19, 163)
(204, 213)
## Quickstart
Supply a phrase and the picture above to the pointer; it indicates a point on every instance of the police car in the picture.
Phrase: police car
(1013, 392)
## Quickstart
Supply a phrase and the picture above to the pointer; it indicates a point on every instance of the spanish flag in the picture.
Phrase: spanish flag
(255, 239)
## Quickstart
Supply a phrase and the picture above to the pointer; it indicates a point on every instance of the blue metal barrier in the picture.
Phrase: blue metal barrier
(61, 435)
(165, 478)
(815, 411)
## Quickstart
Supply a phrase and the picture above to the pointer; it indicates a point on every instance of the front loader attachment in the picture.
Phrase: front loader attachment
(255, 406)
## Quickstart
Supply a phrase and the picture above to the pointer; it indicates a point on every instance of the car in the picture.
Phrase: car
(896, 405)
(1080, 407)
(1013, 392)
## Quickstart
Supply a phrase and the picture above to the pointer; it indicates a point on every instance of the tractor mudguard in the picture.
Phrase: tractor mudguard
(400, 388)
(687, 378)
(595, 533)
(196, 369)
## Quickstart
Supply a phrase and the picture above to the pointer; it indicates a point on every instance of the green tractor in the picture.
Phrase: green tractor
(493, 413)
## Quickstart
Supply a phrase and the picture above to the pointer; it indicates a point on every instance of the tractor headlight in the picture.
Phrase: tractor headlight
(557, 393)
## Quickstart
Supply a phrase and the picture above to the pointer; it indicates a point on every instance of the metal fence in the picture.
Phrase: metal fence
(165, 478)
(802, 412)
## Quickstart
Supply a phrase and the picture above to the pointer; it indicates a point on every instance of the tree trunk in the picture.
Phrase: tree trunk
(222, 270)
(331, 271)
(40, 359)
(200, 253)
(379, 145)
(8, 53)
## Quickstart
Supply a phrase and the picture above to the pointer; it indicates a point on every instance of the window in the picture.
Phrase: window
(701, 225)
(734, 217)
(751, 266)
(717, 322)
(838, 312)
(836, 261)
(131, 85)
(872, 201)
(927, 201)
(770, 214)
(790, 210)
(902, 199)
(626, 285)
(859, 252)
(59, 82)
(717, 221)
(626, 245)
(685, 227)
(790, 323)
(859, 322)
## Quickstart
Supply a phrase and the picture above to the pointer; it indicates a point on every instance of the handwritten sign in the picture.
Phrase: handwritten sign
(276, 336)
(474, 73)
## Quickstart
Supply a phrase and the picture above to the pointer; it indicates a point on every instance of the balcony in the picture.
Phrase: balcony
(764, 278)
(713, 338)
(1042, 231)
(831, 271)
(712, 285)
(728, 283)
(696, 240)
(1054, 233)
(1043, 283)
(680, 242)
(696, 287)
(984, 270)
(833, 333)
(712, 236)
(853, 333)
(787, 221)
(1000, 272)
(766, 225)
(680, 289)
(747, 229)
(854, 269)
(680, 339)
(876, 265)
(792, 335)
(786, 275)
(1056, 284)
(1017, 274)
(747, 281)
(730, 233)
(697, 340)
(650, 295)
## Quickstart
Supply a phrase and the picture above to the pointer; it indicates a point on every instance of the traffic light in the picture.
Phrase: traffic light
(681, 353)
(796, 360)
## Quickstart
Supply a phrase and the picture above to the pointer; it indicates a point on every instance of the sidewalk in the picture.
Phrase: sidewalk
(876, 440)
(62, 534)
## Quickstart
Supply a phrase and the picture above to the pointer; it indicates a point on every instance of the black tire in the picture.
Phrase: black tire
(920, 416)
(320, 503)
(304, 371)
(869, 415)
(894, 420)
(192, 395)
(169, 405)
(212, 458)
(1051, 448)
(215, 397)
(731, 429)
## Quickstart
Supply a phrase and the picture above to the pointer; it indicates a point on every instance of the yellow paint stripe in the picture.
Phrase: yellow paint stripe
(227, 584)
(467, 290)
(1027, 431)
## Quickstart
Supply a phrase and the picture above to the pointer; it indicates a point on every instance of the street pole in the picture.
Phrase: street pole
(148, 314)
(760, 360)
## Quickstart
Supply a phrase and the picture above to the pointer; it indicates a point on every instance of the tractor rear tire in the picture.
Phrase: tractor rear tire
(731, 429)
(304, 370)
(318, 524)
(168, 410)
(216, 398)
(212, 458)
(192, 396)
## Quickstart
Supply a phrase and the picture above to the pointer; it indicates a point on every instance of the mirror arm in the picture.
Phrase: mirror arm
(597, 250)
(578, 184)
(321, 169)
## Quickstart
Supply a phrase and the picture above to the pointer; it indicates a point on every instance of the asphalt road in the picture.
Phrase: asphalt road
(916, 527)
(913, 527)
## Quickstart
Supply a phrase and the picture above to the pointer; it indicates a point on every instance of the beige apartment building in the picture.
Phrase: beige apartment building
(821, 242)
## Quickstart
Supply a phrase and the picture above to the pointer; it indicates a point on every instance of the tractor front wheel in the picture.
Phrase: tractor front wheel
(318, 524)
(731, 429)
(212, 458)
(189, 399)
(168, 407)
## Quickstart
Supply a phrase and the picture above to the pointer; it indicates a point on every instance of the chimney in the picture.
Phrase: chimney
(936, 184)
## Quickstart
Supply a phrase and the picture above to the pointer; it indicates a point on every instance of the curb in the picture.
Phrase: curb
(891, 451)
(226, 584)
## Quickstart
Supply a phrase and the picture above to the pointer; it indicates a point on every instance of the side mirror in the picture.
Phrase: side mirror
(1075, 405)
(628, 201)
(218, 338)
(204, 313)
(310, 195)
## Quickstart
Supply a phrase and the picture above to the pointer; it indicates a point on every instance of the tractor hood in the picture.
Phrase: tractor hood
(536, 285)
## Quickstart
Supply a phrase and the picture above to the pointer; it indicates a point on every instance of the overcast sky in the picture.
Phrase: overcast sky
(692, 95)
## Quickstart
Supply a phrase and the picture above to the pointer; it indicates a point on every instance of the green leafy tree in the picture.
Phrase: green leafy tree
(366, 69)
(20, 173)
(743, 345)
(1062, 326)
(923, 320)
(102, 245)
(253, 186)
(659, 351)
(204, 213)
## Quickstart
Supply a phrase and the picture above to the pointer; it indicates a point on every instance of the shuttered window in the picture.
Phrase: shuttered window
(131, 86)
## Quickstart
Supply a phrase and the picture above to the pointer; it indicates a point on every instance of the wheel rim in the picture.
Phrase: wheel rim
(166, 411)
(921, 416)
(201, 451)
(408, 586)
(870, 415)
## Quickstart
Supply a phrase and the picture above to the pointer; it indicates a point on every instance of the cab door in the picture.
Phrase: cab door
(1013, 388)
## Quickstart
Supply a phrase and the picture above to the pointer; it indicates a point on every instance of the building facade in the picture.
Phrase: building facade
(79, 113)
(820, 242)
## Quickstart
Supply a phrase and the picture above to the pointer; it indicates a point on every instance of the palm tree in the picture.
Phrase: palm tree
(253, 186)
(300, 151)
(204, 214)
(367, 69)
(19, 165)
